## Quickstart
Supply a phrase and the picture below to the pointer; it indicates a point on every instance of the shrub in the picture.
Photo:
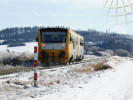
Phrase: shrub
(97, 53)
(12, 59)
(16, 44)
(121, 52)
(111, 52)
(94, 49)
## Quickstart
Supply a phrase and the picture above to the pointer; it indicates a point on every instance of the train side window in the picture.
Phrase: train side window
(73, 45)
(81, 42)
(70, 38)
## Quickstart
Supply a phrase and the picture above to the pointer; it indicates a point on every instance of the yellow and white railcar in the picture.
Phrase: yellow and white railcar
(59, 45)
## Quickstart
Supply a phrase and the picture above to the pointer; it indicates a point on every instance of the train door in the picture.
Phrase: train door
(74, 46)
(78, 47)
(81, 48)
(71, 46)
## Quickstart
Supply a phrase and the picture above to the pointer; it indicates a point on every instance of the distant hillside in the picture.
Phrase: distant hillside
(23, 34)
(120, 44)
(103, 40)
(107, 40)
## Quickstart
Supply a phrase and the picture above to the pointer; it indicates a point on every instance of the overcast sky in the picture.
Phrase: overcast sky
(77, 14)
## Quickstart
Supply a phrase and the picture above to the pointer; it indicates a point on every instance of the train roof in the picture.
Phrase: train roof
(54, 29)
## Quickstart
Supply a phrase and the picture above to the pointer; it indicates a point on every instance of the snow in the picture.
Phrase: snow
(1, 41)
(28, 48)
(64, 83)
(107, 85)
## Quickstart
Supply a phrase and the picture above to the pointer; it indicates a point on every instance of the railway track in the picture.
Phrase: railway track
(16, 70)
(26, 69)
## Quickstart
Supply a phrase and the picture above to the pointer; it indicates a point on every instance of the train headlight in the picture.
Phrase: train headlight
(63, 45)
(44, 45)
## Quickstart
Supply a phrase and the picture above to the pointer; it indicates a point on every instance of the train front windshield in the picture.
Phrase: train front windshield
(52, 37)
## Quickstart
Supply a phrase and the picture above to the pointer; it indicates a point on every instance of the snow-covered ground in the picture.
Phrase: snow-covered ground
(28, 48)
(69, 82)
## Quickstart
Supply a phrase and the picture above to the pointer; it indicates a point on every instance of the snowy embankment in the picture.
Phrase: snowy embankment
(67, 83)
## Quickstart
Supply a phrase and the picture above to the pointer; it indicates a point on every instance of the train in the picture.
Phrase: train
(59, 46)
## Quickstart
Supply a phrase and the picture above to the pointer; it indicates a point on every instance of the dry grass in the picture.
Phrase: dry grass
(14, 59)
(91, 68)
(51, 83)
(101, 66)
(19, 82)
(84, 69)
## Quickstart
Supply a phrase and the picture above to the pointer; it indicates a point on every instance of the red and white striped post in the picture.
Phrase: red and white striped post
(35, 66)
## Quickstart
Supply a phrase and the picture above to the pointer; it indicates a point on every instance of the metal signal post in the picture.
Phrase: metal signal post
(35, 66)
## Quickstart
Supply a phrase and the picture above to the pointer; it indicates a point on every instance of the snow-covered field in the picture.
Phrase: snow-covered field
(28, 48)
(66, 83)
